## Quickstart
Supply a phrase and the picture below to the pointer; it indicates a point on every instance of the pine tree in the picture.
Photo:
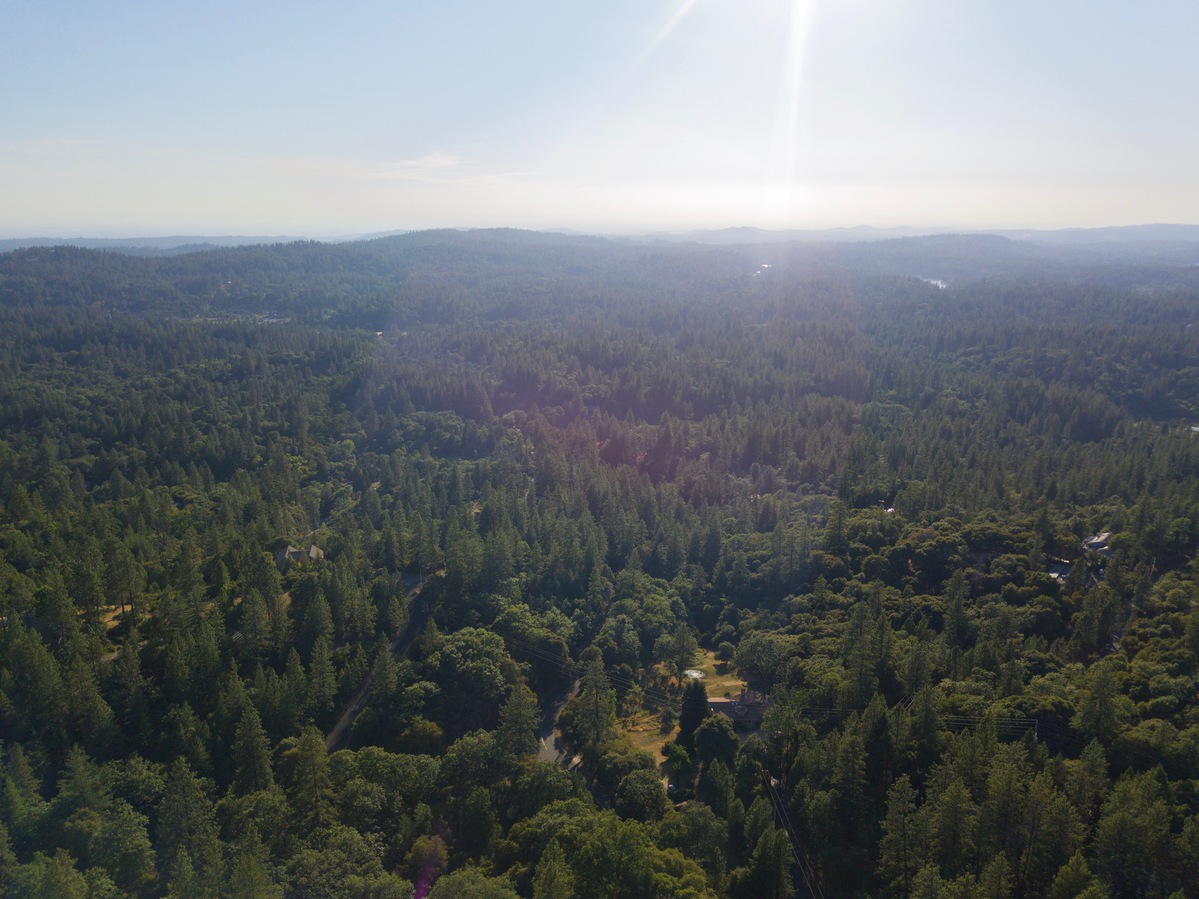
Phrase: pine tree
(957, 625)
(1076, 881)
(679, 649)
(181, 883)
(318, 619)
(322, 681)
(293, 693)
(899, 857)
(770, 866)
(693, 711)
(952, 825)
(47, 876)
(252, 754)
(554, 878)
(386, 677)
(250, 877)
(255, 626)
(188, 844)
(597, 703)
(1132, 839)
(518, 722)
(311, 786)
(8, 859)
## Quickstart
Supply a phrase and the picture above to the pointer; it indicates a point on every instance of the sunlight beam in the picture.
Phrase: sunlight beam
(681, 11)
(787, 120)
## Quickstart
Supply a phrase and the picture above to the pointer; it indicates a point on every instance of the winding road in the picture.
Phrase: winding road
(418, 615)
(548, 748)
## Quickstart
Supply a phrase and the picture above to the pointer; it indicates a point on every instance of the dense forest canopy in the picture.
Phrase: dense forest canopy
(936, 500)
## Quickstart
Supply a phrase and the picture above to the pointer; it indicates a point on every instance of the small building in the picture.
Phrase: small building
(1099, 544)
(745, 709)
(292, 554)
(1059, 570)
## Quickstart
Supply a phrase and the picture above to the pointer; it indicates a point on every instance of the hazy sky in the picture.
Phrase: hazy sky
(137, 118)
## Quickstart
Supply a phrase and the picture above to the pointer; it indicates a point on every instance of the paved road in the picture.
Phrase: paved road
(548, 748)
(418, 615)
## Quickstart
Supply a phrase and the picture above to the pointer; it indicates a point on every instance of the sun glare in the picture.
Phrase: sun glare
(681, 11)
(787, 119)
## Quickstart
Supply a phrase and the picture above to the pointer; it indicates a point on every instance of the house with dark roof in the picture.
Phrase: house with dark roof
(292, 554)
(745, 710)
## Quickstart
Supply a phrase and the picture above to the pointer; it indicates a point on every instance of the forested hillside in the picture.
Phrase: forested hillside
(863, 481)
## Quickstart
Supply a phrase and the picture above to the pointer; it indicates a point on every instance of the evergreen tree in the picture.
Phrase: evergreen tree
(677, 649)
(250, 876)
(693, 711)
(596, 703)
(952, 820)
(311, 786)
(252, 754)
(189, 851)
(8, 859)
(553, 878)
(899, 852)
(1132, 838)
(1075, 881)
(770, 867)
(518, 723)
(322, 681)
(46, 876)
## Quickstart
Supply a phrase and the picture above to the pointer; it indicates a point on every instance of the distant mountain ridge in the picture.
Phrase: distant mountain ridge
(1133, 237)
(142, 246)
(1167, 233)
(1121, 234)
(433, 275)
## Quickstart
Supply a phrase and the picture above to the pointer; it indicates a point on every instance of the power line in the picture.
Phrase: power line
(780, 809)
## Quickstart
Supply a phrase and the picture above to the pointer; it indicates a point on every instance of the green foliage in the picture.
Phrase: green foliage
(1075, 881)
(868, 495)
(189, 849)
(762, 658)
(715, 741)
(469, 668)
(592, 715)
(554, 878)
(49, 876)
(640, 796)
(693, 712)
(310, 785)
(519, 722)
(470, 883)
(251, 754)
(1132, 838)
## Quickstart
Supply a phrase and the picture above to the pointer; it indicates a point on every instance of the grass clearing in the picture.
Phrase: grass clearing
(720, 679)
(644, 729)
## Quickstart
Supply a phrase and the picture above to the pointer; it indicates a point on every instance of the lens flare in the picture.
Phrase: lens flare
(677, 17)
(785, 155)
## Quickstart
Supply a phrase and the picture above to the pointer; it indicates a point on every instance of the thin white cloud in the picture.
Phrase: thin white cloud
(49, 145)
(438, 167)
(434, 166)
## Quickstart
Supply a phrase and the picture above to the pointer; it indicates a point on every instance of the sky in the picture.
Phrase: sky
(308, 119)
